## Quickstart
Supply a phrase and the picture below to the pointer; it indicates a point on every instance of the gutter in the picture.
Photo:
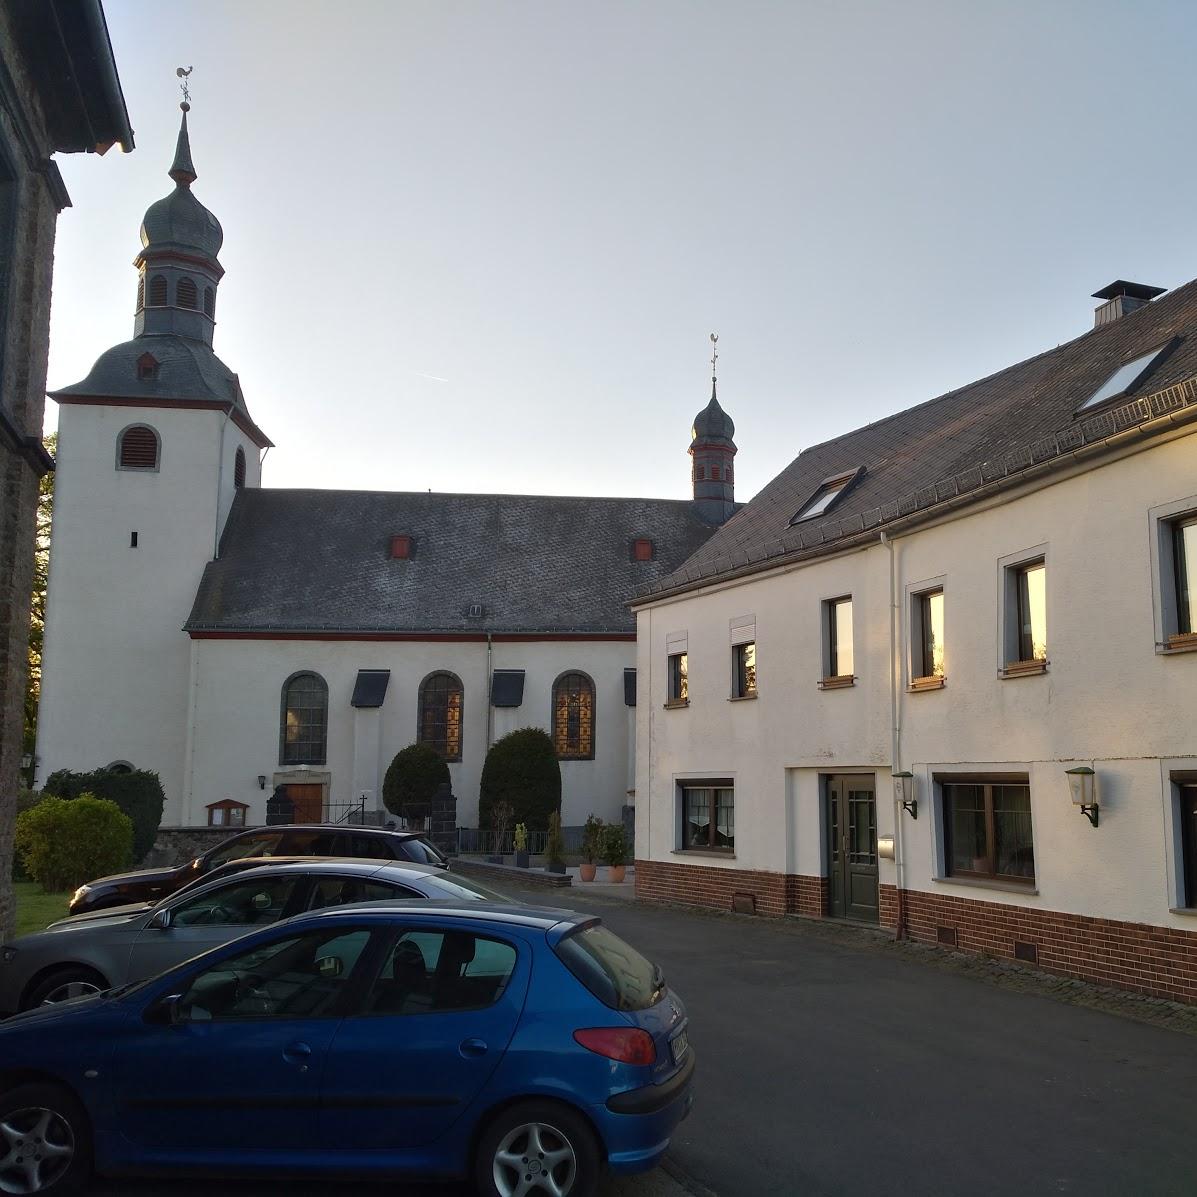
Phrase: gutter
(97, 26)
(26, 446)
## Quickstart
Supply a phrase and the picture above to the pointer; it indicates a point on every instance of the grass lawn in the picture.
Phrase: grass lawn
(36, 910)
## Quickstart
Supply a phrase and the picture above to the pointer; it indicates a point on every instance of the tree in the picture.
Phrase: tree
(521, 769)
(412, 778)
(37, 617)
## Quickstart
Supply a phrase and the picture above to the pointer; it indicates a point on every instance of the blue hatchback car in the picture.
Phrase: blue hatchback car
(528, 1048)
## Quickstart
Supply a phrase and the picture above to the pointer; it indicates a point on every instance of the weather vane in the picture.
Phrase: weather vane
(714, 353)
(183, 73)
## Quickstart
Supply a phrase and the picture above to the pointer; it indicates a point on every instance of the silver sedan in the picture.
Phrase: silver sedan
(92, 952)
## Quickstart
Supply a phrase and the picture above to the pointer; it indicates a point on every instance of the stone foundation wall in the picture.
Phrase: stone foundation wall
(695, 884)
(174, 845)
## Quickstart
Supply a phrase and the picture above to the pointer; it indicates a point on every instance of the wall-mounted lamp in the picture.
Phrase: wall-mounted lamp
(904, 793)
(261, 781)
(1082, 783)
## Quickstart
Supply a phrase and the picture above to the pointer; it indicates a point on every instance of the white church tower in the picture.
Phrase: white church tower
(152, 447)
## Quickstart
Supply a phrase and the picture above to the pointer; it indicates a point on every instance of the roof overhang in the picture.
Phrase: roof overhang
(239, 417)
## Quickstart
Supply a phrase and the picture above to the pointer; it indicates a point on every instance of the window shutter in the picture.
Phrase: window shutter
(158, 291)
(186, 293)
(210, 303)
(139, 449)
(239, 468)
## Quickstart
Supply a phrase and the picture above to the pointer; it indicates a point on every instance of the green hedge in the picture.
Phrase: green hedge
(63, 843)
(411, 780)
(521, 769)
(26, 799)
(138, 793)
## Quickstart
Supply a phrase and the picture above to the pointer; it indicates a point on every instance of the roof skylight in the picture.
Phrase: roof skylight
(1128, 375)
(830, 490)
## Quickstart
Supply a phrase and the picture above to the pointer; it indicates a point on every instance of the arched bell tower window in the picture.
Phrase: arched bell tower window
(210, 303)
(441, 697)
(573, 717)
(303, 728)
(137, 448)
(239, 468)
(186, 293)
(140, 292)
(158, 291)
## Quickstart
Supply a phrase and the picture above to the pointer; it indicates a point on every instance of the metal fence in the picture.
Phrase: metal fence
(483, 840)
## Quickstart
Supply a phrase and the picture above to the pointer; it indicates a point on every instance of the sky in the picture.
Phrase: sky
(480, 246)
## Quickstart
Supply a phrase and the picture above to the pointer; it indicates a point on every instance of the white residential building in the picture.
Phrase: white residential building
(987, 592)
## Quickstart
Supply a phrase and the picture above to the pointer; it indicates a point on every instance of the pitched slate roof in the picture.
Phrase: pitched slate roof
(319, 561)
(960, 446)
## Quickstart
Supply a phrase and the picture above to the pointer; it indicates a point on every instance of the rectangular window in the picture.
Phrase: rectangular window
(987, 829)
(927, 639)
(744, 670)
(679, 685)
(1187, 809)
(1184, 567)
(708, 818)
(838, 662)
(1024, 616)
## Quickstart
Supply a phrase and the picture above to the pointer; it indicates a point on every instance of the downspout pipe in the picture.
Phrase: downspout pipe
(895, 679)
(228, 415)
(490, 708)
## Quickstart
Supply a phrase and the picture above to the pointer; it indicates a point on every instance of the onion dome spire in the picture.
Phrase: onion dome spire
(182, 169)
(712, 450)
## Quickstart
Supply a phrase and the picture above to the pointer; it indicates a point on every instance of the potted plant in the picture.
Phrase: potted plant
(500, 819)
(615, 851)
(521, 846)
(592, 846)
(555, 846)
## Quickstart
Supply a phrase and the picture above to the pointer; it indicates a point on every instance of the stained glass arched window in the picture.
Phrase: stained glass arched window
(441, 696)
(303, 730)
(573, 717)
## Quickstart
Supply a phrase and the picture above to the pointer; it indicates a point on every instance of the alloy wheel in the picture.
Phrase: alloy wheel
(36, 1147)
(535, 1158)
(68, 990)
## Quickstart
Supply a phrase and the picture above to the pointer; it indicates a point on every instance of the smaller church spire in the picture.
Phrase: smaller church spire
(714, 359)
(182, 169)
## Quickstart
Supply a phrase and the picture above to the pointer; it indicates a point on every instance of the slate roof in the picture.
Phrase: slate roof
(319, 561)
(187, 369)
(960, 446)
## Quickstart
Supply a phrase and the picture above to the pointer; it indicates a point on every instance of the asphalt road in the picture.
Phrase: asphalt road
(826, 1066)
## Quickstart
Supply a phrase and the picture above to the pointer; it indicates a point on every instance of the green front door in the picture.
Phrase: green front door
(852, 847)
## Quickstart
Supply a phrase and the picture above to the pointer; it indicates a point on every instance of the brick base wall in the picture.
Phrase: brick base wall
(1158, 961)
(709, 885)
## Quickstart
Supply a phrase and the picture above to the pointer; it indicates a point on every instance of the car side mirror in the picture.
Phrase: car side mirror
(160, 920)
(330, 966)
(165, 1012)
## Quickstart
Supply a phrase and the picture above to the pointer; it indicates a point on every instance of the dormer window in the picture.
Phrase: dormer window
(1129, 375)
(401, 547)
(186, 293)
(147, 367)
(642, 549)
(829, 492)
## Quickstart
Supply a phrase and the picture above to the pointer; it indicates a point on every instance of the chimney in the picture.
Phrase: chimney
(1122, 298)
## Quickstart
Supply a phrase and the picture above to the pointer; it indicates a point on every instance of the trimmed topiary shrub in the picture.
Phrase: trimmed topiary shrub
(65, 842)
(521, 769)
(137, 793)
(412, 778)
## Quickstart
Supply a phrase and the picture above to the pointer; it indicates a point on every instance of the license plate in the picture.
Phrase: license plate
(680, 1046)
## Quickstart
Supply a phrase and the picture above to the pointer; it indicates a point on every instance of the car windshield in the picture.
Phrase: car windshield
(466, 888)
(612, 970)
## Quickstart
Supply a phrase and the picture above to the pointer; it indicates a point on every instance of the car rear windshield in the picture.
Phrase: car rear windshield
(458, 886)
(612, 970)
(422, 852)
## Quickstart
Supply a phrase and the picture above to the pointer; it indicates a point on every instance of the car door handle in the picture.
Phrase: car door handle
(472, 1048)
(298, 1053)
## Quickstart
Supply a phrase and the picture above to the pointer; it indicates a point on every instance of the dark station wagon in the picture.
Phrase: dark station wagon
(292, 839)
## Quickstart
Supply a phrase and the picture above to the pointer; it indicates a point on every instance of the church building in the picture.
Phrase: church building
(245, 641)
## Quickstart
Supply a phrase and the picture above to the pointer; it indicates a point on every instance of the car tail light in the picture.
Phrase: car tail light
(625, 1044)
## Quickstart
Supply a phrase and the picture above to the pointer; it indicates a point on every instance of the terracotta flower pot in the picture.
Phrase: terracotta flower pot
(587, 871)
(616, 873)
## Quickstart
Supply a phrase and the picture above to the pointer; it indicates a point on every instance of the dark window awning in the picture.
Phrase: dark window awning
(370, 688)
(507, 688)
(629, 687)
